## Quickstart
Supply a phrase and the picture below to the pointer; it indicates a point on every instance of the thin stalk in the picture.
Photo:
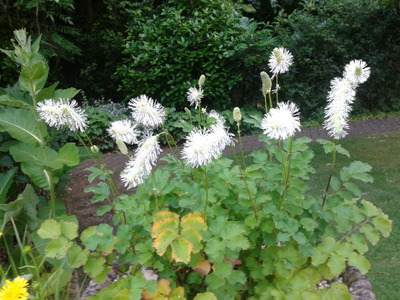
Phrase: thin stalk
(206, 183)
(245, 182)
(154, 193)
(265, 103)
(288, 169)
(284, 168)
(330, 177)
(277, 89)
(270, 99)
(241, 146)
(354, 229)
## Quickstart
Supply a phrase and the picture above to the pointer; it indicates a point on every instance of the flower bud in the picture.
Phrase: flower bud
(122, 147)
(266, 83)
(94, 149)
(202, 79)
(237, 115)
(187, 110)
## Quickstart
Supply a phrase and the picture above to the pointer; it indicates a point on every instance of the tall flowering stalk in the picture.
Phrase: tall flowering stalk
(340, 99)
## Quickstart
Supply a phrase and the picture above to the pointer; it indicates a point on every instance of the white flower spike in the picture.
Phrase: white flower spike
(123, 130)
(194, 96)
(357, 71)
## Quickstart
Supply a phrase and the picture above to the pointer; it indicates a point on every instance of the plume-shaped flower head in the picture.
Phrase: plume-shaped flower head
(62, 112)
(357, 71)
(124, 130)
(194, 96)
(146, 111)
(281, 122)
(280, 60)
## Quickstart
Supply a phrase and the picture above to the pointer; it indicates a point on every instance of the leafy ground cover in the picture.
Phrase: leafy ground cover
(381, 151)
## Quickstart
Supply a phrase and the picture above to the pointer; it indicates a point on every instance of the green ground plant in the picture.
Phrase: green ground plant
(203, 227)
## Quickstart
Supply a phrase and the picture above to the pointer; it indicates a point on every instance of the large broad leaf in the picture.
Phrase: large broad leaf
(68, 155)
(21, 124)
(6, 180)
(12, 101)
(35, 155)
(46, 93)
(34, 76)
(66, 93)
(23, 209)
(39, 175)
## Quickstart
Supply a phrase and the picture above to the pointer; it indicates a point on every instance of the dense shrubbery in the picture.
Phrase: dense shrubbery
(324, 37)
(176, 42)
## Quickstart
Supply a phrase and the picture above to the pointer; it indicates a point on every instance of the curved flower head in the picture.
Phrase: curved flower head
(63, 112)
(281, 122)
(340, 98)
(357, 71)
(219, 120)
(123, 130)
(194, 96)
(280, 60)
(147, 111)
(138, 169)
(15, 290)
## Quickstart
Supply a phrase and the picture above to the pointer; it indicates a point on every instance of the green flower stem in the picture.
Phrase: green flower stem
(330, 177)
(287, 175)
(265, 104)
(285, 172)
(144, 206)
(276, 85)
(154, 193)
(206, 183)
(241, 146)
(168, 135)
(243, 173)
(270, 100)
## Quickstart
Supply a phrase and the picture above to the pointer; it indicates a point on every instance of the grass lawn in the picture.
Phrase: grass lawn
(382, 153)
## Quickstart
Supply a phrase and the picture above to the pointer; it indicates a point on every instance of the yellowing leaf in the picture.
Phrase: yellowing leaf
(164, 215)
(194, 221)
(167, 223)
(163, 240)
(203, 267)
(194, 237)
(181, 250)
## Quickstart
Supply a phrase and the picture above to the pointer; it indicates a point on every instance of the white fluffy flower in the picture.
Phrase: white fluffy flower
(147, 111)
(340, 98)
(138, 169)
(123, 130)
(219, 120)
(280, 60)
(357, 71)
(281, 122)
(202, 145)
(63, 112)
(194, 96)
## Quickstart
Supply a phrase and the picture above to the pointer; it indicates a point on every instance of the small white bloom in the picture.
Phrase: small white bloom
(280, 60)
(149, 274)
(138, 169)
(357, 71)
(147, 111)
(219, 120)
(281, 122)
(49, 112)
(196, 150)
(340, 98)
(72, 115)
(123, 130)
(62, 112)
(194, 96)
(202, 145)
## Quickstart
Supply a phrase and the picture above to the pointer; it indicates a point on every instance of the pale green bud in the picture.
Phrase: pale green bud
(202, 79)
(94, 149)
(280, 58)
(122, 147)
(237, 115)
(187, 110)
(266, 83)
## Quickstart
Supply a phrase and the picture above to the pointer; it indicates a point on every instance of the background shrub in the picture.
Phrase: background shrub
(325, 37)
(169, 47)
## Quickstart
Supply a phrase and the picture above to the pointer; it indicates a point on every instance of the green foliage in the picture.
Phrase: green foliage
(321, 38)
(176, 41)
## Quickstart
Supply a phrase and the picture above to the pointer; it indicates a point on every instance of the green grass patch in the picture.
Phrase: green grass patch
(382, 153)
